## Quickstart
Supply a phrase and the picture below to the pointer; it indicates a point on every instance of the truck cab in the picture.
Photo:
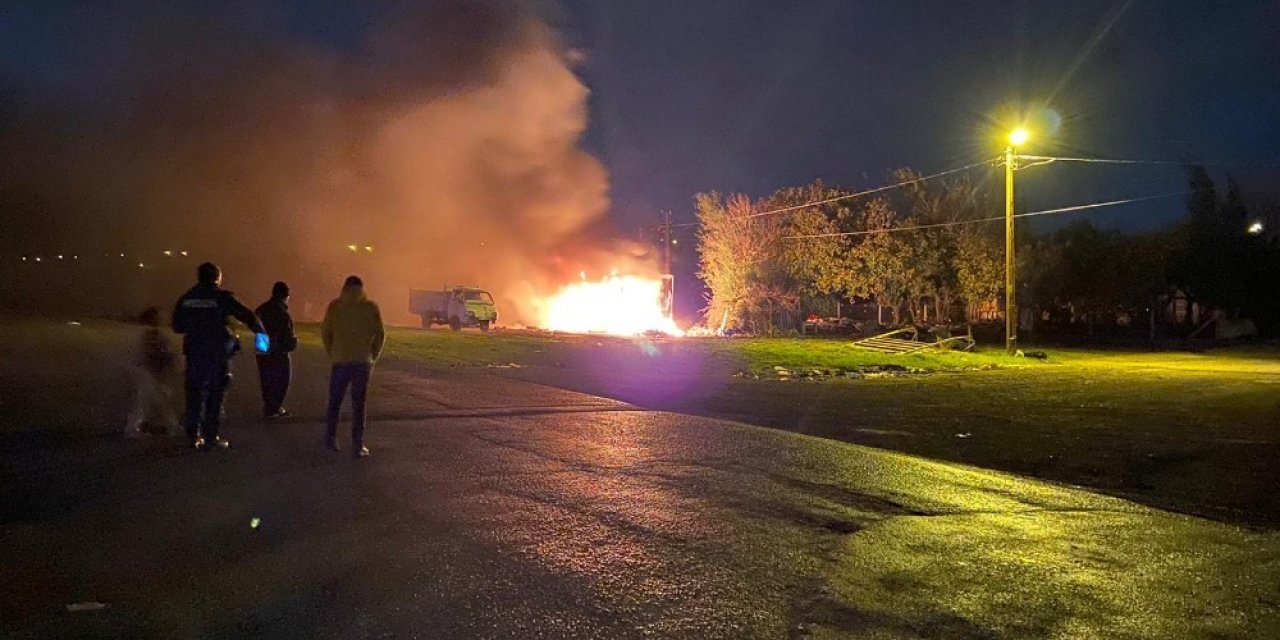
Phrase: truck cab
(457, 306)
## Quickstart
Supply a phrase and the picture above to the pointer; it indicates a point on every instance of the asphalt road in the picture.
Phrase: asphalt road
(499, 508)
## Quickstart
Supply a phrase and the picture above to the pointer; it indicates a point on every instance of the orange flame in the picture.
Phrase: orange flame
(616, 305)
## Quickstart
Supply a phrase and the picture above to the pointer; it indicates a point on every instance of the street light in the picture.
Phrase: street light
(1255, 228)
(1016, 138)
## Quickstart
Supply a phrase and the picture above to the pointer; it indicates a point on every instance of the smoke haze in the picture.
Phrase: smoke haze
(443, 135)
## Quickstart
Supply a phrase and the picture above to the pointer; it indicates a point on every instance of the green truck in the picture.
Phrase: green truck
(457, 306)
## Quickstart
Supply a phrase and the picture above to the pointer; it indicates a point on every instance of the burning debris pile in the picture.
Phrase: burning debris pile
(617, 305)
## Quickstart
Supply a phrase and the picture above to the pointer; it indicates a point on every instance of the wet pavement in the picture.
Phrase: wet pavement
(496, 508)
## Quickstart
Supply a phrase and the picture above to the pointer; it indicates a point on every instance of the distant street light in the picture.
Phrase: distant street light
(1255, 228)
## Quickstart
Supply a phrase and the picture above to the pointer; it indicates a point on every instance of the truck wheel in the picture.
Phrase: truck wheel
(455, 323)
(426, 322)
(484, 325)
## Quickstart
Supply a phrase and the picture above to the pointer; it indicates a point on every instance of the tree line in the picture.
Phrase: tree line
(915, 253)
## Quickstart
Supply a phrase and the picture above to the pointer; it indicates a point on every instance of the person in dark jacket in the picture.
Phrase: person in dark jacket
(208, 343)
(275, 369)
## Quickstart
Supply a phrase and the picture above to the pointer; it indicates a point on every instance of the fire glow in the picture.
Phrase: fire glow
(616, 305)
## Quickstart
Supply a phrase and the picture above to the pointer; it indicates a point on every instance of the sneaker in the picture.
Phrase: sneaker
(133, 432)
(283, 413)
(360, 452)
(218, 443)
(197, 442)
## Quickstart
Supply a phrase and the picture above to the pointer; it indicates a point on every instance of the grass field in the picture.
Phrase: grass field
(760, 355)
(446, 347)
(751, 354)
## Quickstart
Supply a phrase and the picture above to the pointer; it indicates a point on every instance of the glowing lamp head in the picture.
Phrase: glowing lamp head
(1255, 228)
(1018, 136)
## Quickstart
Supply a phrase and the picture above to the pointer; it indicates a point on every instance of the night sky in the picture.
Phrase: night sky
(755, 95)
(750, 96)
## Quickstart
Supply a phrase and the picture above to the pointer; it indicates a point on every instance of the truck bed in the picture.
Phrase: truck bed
(428, 302)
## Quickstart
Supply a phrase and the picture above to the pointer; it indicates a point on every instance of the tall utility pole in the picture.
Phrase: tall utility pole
(666, 242)
(1010, 266)
(668, 299)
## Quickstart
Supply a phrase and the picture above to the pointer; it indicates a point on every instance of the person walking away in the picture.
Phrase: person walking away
(275, 367)
(152, 363)
(353, 337)
(201, 316)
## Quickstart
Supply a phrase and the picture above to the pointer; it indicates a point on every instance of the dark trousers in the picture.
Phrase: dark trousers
(356, 376)
(275, 371)
(206, 383)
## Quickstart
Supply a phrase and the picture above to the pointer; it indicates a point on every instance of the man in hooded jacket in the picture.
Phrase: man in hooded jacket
(275, 368)
(208, 343)
(353, 337)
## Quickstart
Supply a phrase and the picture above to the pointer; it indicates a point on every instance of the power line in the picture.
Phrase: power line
(1109, 203)
(869, 191)
(1103, 160)
(1044, 212)
(1173, 163)
(910, 228)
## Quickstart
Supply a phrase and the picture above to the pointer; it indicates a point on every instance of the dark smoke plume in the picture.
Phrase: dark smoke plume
(443, 135)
